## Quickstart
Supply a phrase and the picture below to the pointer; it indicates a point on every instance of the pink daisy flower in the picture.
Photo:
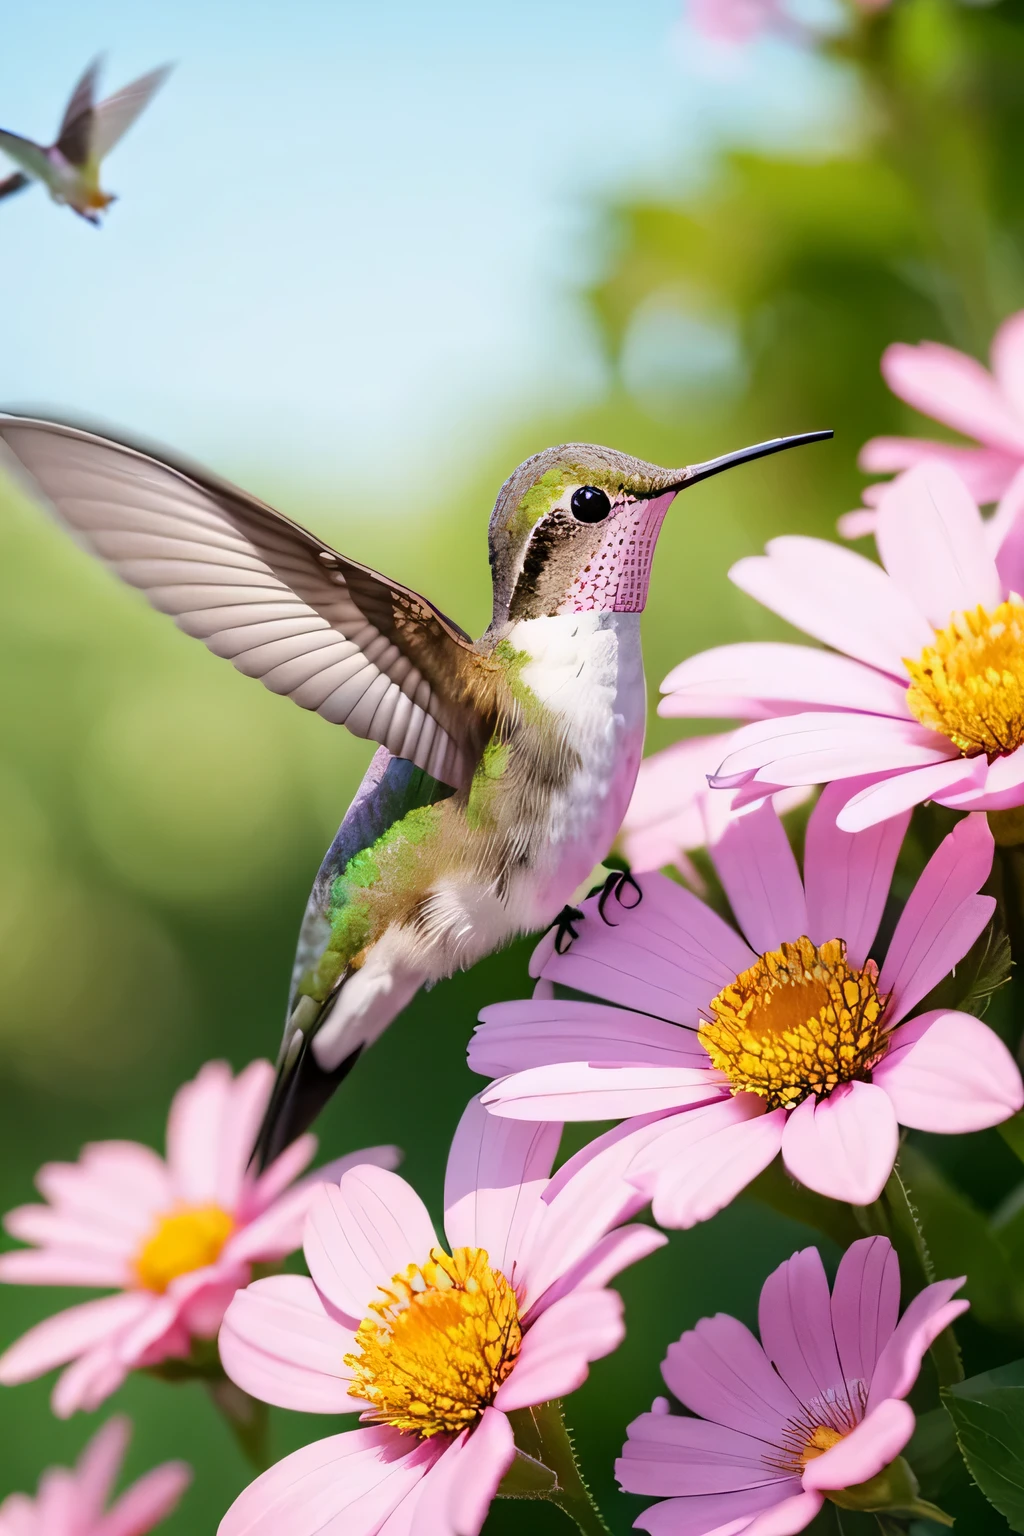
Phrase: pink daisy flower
(176, 1237)
(958, 391)
(926, 694)
(667, 816)
(72, 1503)
(434, 1345)
(815, 1408)
(723, 1049)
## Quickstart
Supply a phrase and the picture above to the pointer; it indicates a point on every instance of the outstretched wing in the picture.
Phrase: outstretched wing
(75, 136)
(115, 116)
(281, 605)
(11, 184)
(29, 156)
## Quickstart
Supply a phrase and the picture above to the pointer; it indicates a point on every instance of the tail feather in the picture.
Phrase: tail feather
(301, 1089)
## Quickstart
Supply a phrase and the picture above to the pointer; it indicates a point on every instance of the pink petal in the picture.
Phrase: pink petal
(932, 542)
(932, 1310)
(942, 918)
(497, 1172)
(955, 390)
(119, 1186)
(787, 1518)
(725, 1514)
(62, 1266)
(53, 1227)
(89, 1381)
(795, 1322)
(900, 792)
(670, 784)
(1008, 362)
(198, 1113)
(865, 1304)
(148, 1501)
(280, 1343)
(99, 1464)
(1004, 520)
(758, 869)
(247, 1099)
(838, 597)
(949, 1072)
(531, 1033)
(360, 1234)
(588, 1196)
(608, 1258)
(844, 1146)
(668, 955)
(274, 1234)
(847, 875)
(460, 1487)
(557, 1348)
(579, 1090)
(986, 472)
(705, 1157)
(59, 1339)
(813, 748)
(720, 1372)
(877, 1440)
(1010, 556)
(346, 1485)
(673, 1457)
(283, 1171)
(858, 524)
(997, 786)
(769, 672)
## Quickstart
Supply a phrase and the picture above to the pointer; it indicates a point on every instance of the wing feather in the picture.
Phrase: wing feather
(262, 592)
(116, 115)
(31, 157)
(74, 137)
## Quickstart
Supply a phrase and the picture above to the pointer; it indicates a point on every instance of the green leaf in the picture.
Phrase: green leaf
(988, 1414)
(777, 1190)
(934, 1455)
(972, 984)
(962, 1241)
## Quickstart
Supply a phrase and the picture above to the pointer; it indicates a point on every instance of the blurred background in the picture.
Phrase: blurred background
(365, 259)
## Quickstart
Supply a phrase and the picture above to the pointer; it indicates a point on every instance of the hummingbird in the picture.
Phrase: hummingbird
(504, 765)
(70, 167)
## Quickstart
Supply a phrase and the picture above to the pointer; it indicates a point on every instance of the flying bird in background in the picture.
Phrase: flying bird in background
(505, 764)
(70, 168)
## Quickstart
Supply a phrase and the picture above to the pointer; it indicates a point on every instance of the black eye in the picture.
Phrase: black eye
(590, 505)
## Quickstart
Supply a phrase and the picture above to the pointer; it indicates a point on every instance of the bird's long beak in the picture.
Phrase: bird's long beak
(697, 472)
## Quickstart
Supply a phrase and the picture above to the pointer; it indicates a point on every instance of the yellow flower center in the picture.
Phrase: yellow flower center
(822, 1440)
(186, 1239)
(435, 1351)
(801, 1020)
(970, 684)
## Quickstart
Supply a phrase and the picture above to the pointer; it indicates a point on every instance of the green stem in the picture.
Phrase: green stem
(908, 1238)
(246, 1417)
(543, 1442)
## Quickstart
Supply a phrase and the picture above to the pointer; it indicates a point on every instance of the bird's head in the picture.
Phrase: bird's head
(574, 528)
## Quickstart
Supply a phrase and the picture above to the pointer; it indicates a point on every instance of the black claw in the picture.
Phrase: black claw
(564, 930)
(616, 884)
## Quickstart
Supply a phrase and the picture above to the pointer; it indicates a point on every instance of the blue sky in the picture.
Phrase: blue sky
(347, 232)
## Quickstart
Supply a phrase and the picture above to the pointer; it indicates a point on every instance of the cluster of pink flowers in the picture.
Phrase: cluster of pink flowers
(717, 1045)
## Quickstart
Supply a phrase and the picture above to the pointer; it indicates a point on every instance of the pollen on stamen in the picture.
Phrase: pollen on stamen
(798, 1022)
(970, 684)
(433, 1352)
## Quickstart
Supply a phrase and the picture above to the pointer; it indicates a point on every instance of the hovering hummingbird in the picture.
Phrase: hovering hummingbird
(505, 764)
(70, 168)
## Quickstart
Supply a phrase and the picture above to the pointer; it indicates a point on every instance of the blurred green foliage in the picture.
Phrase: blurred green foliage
(161, 818)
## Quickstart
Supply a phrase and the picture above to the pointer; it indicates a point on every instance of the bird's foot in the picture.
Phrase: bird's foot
(618, 883)
(563, 927)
